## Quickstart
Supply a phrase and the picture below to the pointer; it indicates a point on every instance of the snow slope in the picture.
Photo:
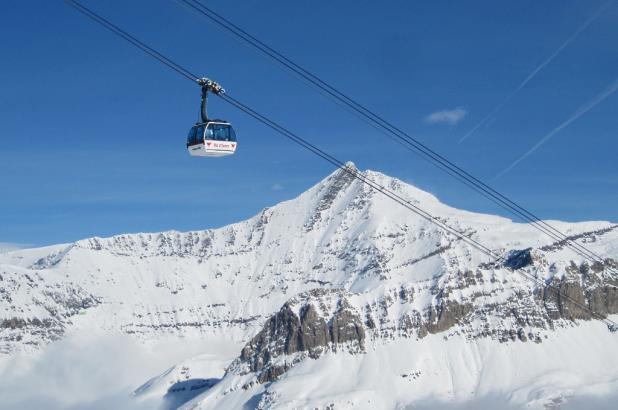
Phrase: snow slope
(438, 371)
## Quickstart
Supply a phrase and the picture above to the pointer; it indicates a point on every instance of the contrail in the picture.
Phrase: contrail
(581, 111)
(530, 76)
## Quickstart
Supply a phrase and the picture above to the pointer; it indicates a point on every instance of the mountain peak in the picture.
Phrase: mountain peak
(339, 268)
(350, 165)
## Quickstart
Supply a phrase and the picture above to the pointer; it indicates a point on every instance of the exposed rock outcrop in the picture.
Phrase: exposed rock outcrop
(334, 185)
(50, 308)
(306, 326)
(580, 292)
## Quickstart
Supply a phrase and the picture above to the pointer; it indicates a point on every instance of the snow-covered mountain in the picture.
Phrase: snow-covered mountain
(338, 298)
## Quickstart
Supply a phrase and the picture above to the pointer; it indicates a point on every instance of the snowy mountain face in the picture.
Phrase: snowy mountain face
(338, 281)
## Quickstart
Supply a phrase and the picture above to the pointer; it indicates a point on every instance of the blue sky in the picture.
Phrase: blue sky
(92, 131)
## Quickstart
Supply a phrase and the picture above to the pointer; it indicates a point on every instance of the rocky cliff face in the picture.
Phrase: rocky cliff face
(306, 326)
(580, 290)
(38, 310)
(319, 321)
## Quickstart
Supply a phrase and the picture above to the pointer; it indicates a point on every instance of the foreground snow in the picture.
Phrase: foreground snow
(572, 365)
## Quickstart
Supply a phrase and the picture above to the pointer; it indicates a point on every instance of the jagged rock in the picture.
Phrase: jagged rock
(314, 331)
(445, 315)
(603, 300)
(346, 327)
(286, 334)
(579, 293)
(590, 236)
(563, 299)
(337, 183)
(13, 323)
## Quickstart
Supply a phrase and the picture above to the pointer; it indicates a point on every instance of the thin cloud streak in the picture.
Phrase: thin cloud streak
(530, 76)
(451, 117)
(581, 111)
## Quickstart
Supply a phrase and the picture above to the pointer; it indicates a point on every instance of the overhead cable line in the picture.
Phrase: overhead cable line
(395, 133)
(355, 173)
(128, 37)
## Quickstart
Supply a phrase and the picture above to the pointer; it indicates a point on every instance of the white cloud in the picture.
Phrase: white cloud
(88, 371)
(277, 187)
(451, 117)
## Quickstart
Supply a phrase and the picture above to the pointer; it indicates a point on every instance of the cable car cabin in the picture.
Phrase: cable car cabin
(214, 138)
